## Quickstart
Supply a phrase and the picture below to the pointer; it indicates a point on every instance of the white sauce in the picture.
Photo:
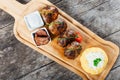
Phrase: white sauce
(33, 20)
(91, 56)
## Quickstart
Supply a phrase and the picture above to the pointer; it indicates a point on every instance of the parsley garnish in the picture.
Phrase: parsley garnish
(96, 61)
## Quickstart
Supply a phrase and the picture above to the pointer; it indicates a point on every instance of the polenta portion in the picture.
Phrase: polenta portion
(94, 60)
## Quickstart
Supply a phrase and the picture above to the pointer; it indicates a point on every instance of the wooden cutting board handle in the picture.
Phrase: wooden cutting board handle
(12, 7)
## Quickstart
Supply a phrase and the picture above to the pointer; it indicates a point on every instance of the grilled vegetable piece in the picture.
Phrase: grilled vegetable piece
(49, 14)
(57, 27)
(41, 37)
(78, 37)
(66, 38)
(72, 50)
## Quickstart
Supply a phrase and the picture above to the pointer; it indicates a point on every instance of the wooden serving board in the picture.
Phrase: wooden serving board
(53, 50)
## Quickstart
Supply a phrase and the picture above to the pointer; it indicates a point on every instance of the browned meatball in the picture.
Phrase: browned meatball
(70, 33)
(49, 14)
(66, 38)
(72, 50)
(64, 41)
(58, 27)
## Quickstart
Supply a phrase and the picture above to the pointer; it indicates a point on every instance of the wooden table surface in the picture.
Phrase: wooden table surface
(19, 62)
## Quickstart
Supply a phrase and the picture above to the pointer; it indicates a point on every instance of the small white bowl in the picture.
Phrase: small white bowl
(32, 34)
(34, 20)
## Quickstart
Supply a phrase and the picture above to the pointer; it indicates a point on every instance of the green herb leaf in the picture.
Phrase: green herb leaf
(96, 61)
(58, 22)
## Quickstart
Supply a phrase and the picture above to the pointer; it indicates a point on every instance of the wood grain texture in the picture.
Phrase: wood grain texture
(17, 59)
(5, 19)
(78, 16)
(114, 74)
(52, 72)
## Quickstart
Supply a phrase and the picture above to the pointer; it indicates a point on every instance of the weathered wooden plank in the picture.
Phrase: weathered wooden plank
(114, 75)
(55, 1)
(103, 20)
(23, 1)
(17, 59)
(52, 72)
(5, 19)
(76, 7)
